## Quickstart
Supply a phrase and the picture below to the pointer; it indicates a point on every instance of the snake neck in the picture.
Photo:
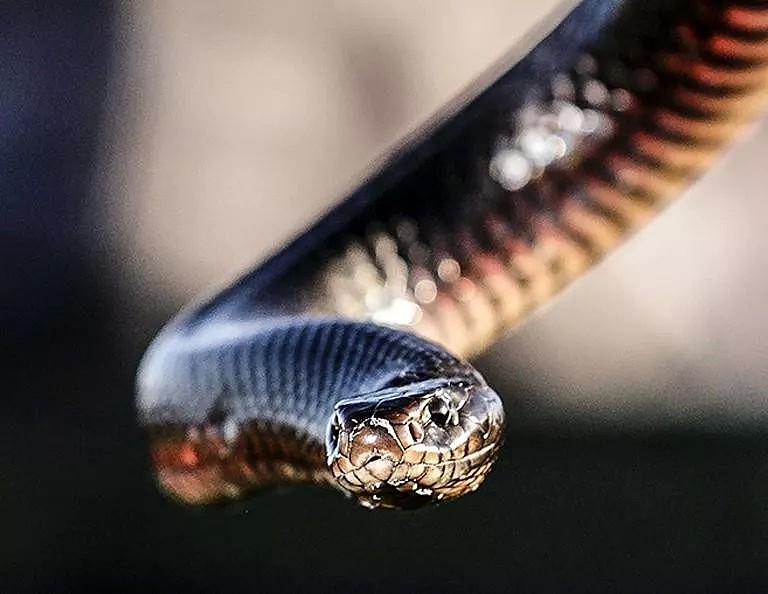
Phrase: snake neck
(258, 397)
(284, 370)
(208, 463)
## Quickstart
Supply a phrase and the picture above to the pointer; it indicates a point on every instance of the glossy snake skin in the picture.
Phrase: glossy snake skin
(341, 359)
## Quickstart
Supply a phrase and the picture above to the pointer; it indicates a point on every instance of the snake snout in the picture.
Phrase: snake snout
(365, 460)
(433, 443)
(371, 443)
(359, 434)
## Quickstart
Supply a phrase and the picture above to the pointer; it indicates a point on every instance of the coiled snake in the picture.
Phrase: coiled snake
(340, 359)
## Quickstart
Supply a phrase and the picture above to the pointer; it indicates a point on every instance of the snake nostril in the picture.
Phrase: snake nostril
(416, 432)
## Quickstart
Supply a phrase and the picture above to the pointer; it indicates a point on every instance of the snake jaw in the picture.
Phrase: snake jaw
(395, 454)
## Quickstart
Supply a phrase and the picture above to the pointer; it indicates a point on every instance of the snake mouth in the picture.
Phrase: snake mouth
(382, 482)
(407, 450)
(406, 477)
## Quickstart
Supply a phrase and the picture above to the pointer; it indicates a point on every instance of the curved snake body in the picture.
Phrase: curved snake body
(339, 360)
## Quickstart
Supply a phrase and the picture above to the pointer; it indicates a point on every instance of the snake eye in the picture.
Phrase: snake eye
(333, 433)
(439, 410)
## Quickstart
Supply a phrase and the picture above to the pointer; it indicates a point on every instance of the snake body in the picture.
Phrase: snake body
(341, 359)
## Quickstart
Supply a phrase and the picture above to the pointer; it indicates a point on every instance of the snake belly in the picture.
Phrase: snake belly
(341, 360)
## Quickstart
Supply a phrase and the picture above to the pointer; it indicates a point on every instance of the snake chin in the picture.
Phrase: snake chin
(407, 447)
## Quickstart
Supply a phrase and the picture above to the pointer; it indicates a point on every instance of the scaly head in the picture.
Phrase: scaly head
(409, 446)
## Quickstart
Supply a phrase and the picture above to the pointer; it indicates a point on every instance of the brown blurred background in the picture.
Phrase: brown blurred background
(637, 447)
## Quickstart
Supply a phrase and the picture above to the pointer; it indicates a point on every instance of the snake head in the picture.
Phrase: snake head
(413, 445)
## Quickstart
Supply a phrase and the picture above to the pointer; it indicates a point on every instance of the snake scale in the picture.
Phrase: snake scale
(341, 360)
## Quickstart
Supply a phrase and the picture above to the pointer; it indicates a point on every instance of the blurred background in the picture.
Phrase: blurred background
(153, 149)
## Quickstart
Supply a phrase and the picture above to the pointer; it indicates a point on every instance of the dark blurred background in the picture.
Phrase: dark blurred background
(151, 149)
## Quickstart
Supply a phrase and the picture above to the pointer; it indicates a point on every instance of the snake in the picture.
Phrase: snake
(342, 359)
